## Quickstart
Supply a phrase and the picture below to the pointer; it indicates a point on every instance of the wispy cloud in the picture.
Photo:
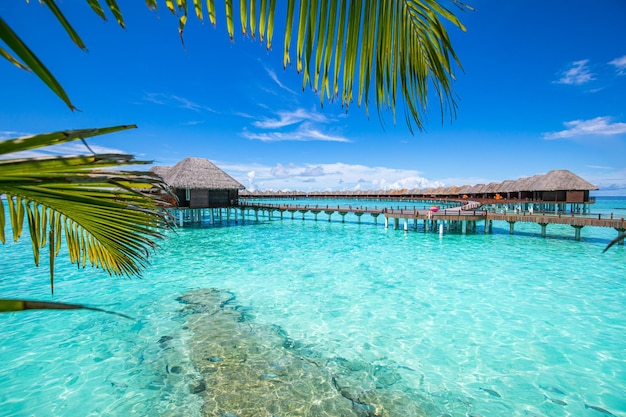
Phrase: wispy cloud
(620, 65)
(577, 74)
(274, 78)
(599, 126)
(298, 125)
(335, 176)
(176, 101)
(610, 181)
(11, 134)
(287, 118)
(304, 133)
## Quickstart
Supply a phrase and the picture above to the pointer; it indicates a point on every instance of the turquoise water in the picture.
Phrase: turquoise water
(380, 321)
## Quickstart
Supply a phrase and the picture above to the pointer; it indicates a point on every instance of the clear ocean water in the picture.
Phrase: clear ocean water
(317, 318)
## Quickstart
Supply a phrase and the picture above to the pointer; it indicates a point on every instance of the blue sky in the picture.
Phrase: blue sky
(543, 87)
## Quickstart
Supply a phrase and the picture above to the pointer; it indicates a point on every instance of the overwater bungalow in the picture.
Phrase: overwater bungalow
(553, 191)
(199, 183)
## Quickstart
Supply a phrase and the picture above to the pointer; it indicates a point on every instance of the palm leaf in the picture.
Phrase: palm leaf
(66, 25)
(8, 306)
(379, 43)
(27, 143)
(618, 239)
(110, 219)
(30, 61)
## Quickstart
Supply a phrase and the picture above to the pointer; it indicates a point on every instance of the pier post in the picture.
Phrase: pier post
(396, 223)
(358, 215)
(243, 215)
(256, 214)
(212, 216)
(543, 229)
(227, 215)
(180, 218)
(343, 216)
(406, 225)
(375, 216)
(511, 226)
(577, 231)
(330, 213)
(386, 222)
(415, 223)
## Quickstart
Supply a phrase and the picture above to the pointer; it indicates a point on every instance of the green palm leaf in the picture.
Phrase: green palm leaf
(110, 218)
(30, 61)
(618, 239)
(7, 306)
(379, 43)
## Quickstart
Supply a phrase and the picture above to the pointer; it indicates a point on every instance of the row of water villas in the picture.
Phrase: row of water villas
(206, 193)
(556, 191)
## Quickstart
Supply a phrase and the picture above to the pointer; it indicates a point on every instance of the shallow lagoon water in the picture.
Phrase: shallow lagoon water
(376, 321)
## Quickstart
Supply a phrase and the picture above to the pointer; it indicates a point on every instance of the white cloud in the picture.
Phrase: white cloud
(287, 118)
(313, 171)
(273, 76)
(280, 171)
(620, 65)
(597, 126)
(320, 177)
(176, 101)
(298, 125)
(576, 75)
(304, 133)
(609, 181)
(12, 134)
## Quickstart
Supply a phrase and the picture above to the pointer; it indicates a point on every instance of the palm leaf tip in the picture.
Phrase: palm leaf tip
(8, 306)
(618, 239)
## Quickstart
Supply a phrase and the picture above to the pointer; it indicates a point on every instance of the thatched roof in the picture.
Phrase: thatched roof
(560, 180)
(160, 170)
(199, 173)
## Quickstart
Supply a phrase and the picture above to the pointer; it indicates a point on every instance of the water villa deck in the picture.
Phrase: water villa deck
(463, 218)
(204, 192)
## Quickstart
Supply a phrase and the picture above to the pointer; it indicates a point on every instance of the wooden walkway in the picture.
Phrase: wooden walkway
(459, 218)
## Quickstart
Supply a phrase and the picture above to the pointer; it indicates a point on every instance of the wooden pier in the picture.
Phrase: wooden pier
(463, 219)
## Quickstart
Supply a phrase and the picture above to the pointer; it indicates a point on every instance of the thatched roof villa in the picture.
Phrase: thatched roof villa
(555, 187)
(199, 183)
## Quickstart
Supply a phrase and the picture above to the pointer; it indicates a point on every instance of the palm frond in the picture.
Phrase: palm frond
(110, 218)
(379, 43)
(365, 45)
(618, 239)
(30, 61)
(26, 143)
(9, 306)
